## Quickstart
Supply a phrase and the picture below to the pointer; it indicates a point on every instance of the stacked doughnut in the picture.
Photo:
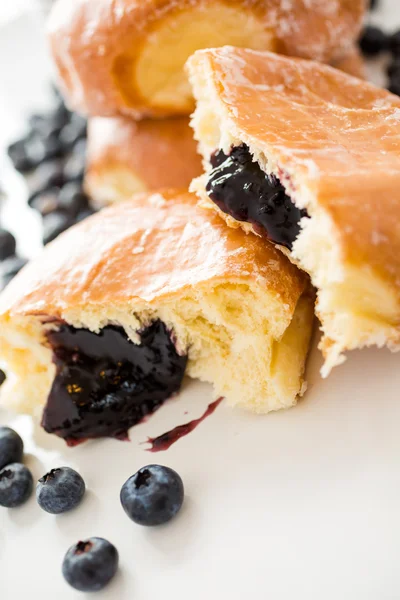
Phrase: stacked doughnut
(122, 64)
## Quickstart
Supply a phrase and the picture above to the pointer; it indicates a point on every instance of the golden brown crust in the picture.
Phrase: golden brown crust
(334, 139)
(147, 249)
(94, 40)
(147, 155)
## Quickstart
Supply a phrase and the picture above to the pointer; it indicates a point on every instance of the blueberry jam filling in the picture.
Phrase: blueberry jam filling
(239, 187)
(105, 383)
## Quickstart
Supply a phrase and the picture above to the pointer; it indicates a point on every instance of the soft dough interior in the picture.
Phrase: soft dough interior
(154, 71)
(238, 337)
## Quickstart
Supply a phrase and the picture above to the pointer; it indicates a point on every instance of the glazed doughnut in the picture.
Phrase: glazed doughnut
(125, 157)
(126, 57)
(99, 330)
(314, 166)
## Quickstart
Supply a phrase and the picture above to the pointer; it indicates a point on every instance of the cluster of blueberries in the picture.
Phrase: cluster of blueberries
(152, 496)
(52, 156)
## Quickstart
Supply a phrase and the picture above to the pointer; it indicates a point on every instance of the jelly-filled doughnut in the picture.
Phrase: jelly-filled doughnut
(308, 158)
(100, 329)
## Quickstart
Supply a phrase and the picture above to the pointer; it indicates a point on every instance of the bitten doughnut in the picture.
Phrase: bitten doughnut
(126, 57)
(99, 330)
(309, 158)
(125, 157)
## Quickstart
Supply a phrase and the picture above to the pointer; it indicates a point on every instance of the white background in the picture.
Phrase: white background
(298, 505)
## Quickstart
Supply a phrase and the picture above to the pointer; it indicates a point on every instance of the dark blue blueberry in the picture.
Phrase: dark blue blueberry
(46, 201)
(394, 86)
(16, 485)
(393, 69)
(60, 490)
(55, 223)
(84, 214)
(7, 244)
(373, 4)
(373, 41)
(90, 565)
(9, 269)
(19, 157)
(152, 496)
(47, 176)
(11, 446)
(72, 199)
(74, 168)
(75, 130)
(394, 43)
(2, 377)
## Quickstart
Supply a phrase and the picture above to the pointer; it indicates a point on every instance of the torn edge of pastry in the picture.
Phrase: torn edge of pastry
(236, 312)
(126, 157)
(310, 130)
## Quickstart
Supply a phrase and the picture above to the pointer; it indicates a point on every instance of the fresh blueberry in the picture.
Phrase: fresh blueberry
(11, 446)
(16, 485)
(75, 130)
(9, 269)
(48, 175)
(393, 69)
(152, 496)
(74, 168)
(72, 199)
(55, 223)
(373, 41)
(7, 244)
(2, 377)
(373, 4)
(46, 201)
(84, 214)
(19, 157)
(60, 490)
(90, 565)
(394, 86)
(394, 43)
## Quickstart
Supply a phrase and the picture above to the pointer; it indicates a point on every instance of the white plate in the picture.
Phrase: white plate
(302, 504)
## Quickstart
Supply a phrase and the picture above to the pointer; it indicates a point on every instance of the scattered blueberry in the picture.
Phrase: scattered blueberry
(60, 490)
(48, 175)
(7, 244)
(84, 214)
(53, 224)
(373, 41)
(73, 131)
(90, 565)
(71, 199)
(152, 496)
(393, 69)
(373, 4)
(394, 43)
(2, 377)
(394, 86)
(74, 167)
(11, 446)
(19, 157)
(9, 269)
(16, 485)
(45, 201)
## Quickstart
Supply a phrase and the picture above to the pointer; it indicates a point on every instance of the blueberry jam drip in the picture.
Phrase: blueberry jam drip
(105, 383)
(239, 187)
